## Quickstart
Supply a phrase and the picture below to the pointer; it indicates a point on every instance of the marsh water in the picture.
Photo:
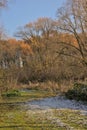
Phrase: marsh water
(58, 102)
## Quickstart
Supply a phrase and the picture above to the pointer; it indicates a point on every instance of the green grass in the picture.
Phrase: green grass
(14, 115)
(58, 119)
(26, 120)
(27, 96)
(72, 118)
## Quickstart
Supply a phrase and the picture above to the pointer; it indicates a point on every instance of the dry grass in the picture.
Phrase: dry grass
(51, 86)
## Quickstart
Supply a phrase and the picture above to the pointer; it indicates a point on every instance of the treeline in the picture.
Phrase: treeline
(48, 49)
(12, 52)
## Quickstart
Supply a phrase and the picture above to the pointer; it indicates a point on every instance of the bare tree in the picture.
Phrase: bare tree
(42, 27)
(72, 20)
(3, 3)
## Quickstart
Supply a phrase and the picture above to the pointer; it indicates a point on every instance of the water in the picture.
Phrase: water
(57, 102)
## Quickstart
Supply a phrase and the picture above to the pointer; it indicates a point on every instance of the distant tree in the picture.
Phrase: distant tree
(42, 27)
(3, 3)
(13, 52)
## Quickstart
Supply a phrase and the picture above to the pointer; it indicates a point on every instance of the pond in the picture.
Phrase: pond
(58, 103)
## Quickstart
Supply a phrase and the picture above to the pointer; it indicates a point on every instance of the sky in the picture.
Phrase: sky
(21, 12)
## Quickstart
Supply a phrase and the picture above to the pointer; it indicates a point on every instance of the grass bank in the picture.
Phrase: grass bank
(52, 119)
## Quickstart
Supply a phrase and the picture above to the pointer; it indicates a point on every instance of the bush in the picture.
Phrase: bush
(3, 81)
(12, 93)
(79, 92)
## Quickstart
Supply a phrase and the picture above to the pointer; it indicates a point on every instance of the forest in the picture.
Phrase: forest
(47, 49)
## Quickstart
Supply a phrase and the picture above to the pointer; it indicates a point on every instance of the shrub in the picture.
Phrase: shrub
(3, 81)
(79, 92)
(12, 93)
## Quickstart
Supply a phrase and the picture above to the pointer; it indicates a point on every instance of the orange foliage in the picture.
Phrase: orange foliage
(25, 48)
(68, 39)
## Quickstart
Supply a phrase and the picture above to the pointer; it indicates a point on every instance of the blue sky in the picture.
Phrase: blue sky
(21, 12)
